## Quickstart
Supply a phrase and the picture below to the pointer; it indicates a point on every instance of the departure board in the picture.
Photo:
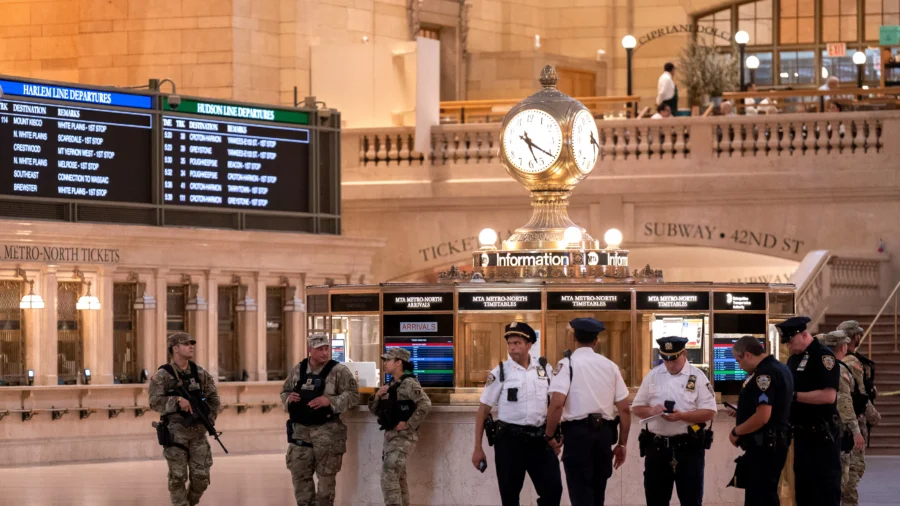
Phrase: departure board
(725, 367)
(229, 162)
(429, 340)
(73, 151)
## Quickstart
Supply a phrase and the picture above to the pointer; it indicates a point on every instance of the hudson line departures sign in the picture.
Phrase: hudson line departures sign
(228, 159)
(77, 147)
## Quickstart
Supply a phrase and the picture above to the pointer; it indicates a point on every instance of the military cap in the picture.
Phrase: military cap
(586, 328)
(179, 338)
(671, 346)
(520, 329)
(834, 338)
(396, 352)
(318, 340)
(791, 327)
(850, 327)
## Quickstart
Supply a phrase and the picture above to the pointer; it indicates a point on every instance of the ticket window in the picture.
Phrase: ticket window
(614, 343)
(228, 334)
(356, 338)
(484, 347)
(695, 327)
(12, 334)
(125, 332)
(69, 328)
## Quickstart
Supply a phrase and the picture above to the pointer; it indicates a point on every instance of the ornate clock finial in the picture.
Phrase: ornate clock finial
(548, 77)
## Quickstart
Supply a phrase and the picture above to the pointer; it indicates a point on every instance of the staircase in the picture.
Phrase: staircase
(885, 438)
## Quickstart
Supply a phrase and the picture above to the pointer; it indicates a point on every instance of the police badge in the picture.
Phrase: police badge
(828, 360)
(763, 381)
(692, 383)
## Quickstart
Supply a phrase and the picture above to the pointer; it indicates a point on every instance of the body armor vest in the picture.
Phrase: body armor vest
(309, 387)
(393, 411)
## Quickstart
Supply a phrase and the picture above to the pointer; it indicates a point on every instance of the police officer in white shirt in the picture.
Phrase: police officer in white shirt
(586, 390)
(674, 443)
(520, 386)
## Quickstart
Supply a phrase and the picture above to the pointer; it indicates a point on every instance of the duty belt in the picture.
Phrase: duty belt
(519, 431)
(592, 420)
(678, 442)
(770, 438)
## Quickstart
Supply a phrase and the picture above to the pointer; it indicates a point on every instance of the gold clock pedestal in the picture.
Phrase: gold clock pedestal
(547, 227)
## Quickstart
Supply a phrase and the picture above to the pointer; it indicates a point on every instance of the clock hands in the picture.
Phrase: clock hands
(531, 145)
(594, 142)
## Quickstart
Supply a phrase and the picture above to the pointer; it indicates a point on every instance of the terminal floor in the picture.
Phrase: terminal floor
(245, 480)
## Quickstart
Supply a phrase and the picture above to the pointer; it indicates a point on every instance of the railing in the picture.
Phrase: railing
(813, 285)
(805, 101)
(493, 111)
(697, 139)
(895, 296)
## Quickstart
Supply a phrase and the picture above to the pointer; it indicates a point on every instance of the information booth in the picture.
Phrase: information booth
(454, 331)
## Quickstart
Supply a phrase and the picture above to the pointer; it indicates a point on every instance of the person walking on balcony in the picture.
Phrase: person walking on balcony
(666, 90)
(814, 416)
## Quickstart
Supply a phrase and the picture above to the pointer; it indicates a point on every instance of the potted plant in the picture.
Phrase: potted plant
(707, 72)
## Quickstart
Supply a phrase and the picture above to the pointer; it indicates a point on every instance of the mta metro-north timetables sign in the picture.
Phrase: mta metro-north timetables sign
(235, 156)
(75, 148)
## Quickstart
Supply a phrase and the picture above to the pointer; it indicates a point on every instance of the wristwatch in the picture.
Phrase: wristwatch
(550, 438)
(734, 432)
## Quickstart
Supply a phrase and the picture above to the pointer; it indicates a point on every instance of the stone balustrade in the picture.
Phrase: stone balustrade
(696, 139)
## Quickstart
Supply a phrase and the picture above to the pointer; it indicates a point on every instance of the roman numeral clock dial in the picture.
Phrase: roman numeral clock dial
(585, 141)
(532, 141)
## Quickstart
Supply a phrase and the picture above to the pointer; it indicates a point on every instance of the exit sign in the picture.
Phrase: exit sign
(837, 49)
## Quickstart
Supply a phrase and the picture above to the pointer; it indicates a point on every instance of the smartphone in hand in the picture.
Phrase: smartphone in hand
(482, 465)
(730, 406)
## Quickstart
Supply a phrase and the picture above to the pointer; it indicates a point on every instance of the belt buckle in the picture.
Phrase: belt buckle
(666, 441)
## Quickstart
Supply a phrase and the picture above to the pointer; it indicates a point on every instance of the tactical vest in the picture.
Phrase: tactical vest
(860, 400)
(309, 387)
(393, 411)
(868, 375)
(191, 382)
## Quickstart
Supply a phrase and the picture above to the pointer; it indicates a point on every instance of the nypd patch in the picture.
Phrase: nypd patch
(763, 381)
(710, 388)
(828, 360)
(490, 380)
(559, 367)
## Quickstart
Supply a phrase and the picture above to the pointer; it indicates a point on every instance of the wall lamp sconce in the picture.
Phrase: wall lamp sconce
(86, 302)
(87, 376)
(32, 300)
(30, 377)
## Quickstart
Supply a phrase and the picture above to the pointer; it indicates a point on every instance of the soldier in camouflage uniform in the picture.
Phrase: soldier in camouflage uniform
(855, 465)
(838, 342)
(401, 406)
(188, 454)
(862, 369)
(315, 394)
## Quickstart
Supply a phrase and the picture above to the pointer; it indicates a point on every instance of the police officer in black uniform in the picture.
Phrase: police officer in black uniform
(763, 422)
(814, 416)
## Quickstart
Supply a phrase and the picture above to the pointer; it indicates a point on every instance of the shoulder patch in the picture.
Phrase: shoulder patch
(763, 381)
(559, 367)
(828, 360)
(710, 388)
(490, 380)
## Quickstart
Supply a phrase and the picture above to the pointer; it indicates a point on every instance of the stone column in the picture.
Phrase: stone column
(249, 333)
(47, 365)
(34, 322)
(212, 324)
(260, 365)
(101, 357)
(157, 340)
(147, 333)
(198, 326)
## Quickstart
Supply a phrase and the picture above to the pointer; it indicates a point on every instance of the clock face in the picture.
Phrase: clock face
(532, 141)
(585, 141)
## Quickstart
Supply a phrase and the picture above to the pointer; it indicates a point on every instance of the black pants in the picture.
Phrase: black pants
(764, 466)
(687, 476)
(587, 458)
(817, 471)
(515, 456)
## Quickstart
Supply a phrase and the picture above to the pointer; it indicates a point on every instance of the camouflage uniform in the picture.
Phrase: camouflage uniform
(329, 441)
(196, 462)
(855, 461)
(849, 422)
(399, 445)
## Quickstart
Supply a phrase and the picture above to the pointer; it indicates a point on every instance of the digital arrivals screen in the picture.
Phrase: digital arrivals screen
(74, 150)
(429, 340)
(223, 160)
(725, 367)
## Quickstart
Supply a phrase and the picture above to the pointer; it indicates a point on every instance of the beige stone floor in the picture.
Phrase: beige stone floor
(243, 480)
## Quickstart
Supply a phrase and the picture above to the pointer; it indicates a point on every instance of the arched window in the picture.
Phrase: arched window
(791, 37)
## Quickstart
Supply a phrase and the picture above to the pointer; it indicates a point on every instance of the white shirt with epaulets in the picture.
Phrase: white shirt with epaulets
(533, 383)
(690, 389)
(595, 388)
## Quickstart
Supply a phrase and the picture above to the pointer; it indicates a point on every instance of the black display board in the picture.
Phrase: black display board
(499, 301)
(582, 301)
(354, 302)
(75, 152)
(233, 164)
(429, 340)
(738, 301)
(672, 301)
(418, 302)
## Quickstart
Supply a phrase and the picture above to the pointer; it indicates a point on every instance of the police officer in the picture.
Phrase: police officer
(674, 442)
(520, 388)
(586, 390)
(762, 427)
(186, 449)
(814, 418)
(315, 394)
(401, 407)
